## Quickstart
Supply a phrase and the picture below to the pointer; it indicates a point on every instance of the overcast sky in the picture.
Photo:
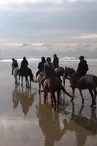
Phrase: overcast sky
(67, 23)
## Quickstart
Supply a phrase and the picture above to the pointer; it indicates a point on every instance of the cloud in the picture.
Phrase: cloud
(26, 45)
(49, 22)
(61, 50)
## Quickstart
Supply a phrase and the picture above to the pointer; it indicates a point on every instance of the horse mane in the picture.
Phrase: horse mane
(70, 68)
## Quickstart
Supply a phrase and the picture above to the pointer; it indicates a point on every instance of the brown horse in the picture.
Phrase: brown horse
(53, 85)
(39, 77)
(59, 73)
(88, 81)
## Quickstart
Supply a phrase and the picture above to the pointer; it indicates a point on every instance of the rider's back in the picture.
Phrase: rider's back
(41, 66)
(15, 64)
(49, 69)
(24, 64)
(82, 68)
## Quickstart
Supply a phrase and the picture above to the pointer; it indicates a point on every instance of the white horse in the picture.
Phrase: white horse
(16, 74)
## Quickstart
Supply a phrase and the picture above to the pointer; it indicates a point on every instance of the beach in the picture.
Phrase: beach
(26, 121)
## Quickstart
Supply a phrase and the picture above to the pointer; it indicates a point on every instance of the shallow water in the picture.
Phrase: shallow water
(26, 121)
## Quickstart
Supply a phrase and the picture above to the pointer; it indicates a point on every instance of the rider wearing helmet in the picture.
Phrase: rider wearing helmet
(81, 70)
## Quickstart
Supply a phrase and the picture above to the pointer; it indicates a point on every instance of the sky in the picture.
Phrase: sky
(47, 26)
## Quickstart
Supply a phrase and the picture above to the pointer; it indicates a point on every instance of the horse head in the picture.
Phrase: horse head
(69, 72)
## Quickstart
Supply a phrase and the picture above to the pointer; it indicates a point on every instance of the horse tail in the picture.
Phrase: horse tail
(95, 79)
(31, 75)
(63, 89)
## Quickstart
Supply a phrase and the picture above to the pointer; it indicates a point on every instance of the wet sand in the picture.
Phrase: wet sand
(26, 121)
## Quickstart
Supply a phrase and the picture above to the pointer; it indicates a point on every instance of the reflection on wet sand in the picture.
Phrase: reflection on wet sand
(49, 124)
(82, 126)
(24, 97)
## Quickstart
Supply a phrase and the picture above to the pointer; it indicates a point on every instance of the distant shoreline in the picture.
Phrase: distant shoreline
(62, 59)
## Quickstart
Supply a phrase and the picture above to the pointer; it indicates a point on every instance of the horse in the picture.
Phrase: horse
(53, 85)
(39, 77)
(59, 72)
(23, 73)
(88, 81)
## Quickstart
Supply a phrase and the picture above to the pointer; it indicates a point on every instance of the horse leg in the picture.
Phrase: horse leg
(93, 99)
(45, 97)
(81, 96)
(73, 92)
(15, 77)
(54, 99)
(30, 83)
(27, 82)
(22, 81)
(19, 78)
(81, 109)
(95, 93)
(52, 104)
(58, 97)
(64, 80)
(39, 87)
(73, 110)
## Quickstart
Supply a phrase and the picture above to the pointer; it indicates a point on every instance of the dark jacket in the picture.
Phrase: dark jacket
(41, 65)
(49, 69)
(14, 64)
(24, 64)
(82, 68)
(56, 62)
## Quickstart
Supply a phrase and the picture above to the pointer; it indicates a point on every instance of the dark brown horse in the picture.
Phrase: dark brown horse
(88, 81)
(26, 72)
(53, 85)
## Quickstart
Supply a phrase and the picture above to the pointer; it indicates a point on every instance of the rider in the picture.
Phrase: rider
(41, 65)
(81, 70)
(14, 64)
(49, 70)
(24, 63)
(55, 61)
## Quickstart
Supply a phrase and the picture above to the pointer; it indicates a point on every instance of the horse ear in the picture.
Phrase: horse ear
(65, 67)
